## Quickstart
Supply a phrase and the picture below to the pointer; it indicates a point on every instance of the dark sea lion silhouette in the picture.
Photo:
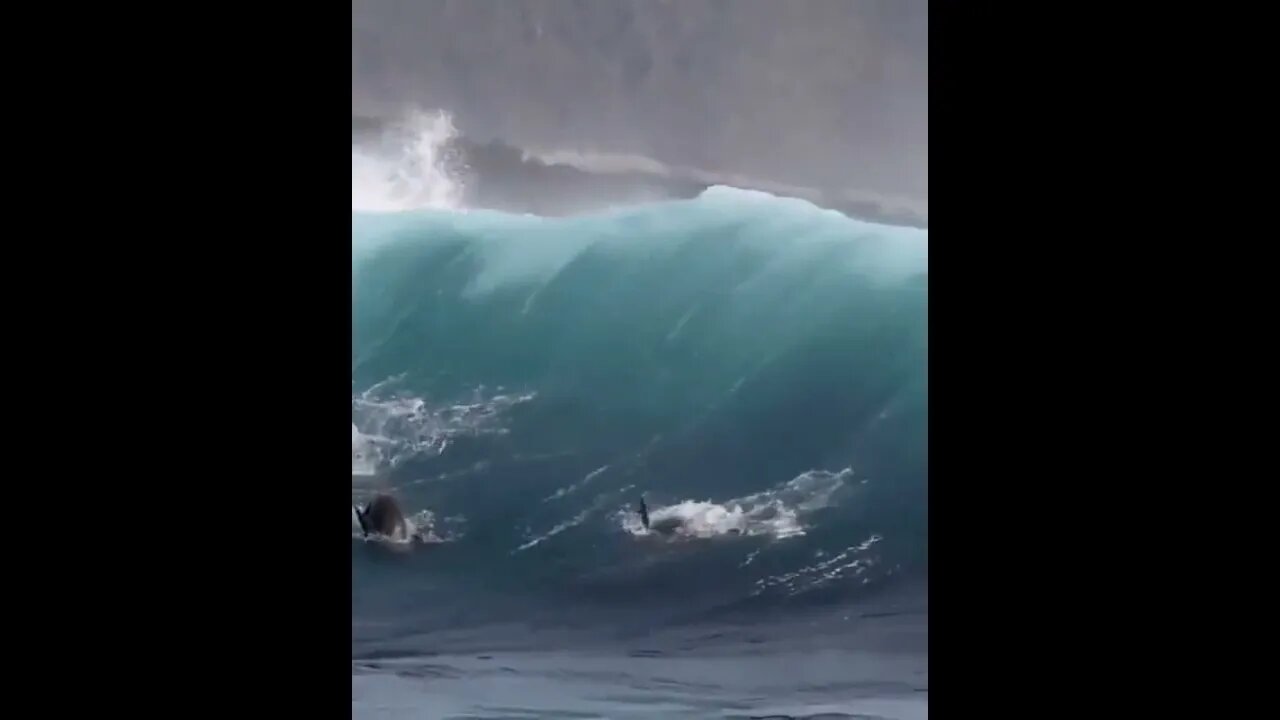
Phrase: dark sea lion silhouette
(382, 516)
(667, 526)
(664, 526)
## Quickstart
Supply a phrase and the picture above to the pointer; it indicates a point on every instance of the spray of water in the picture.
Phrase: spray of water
(410, 167)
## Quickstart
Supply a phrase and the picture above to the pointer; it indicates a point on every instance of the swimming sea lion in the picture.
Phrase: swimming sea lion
(382, 516)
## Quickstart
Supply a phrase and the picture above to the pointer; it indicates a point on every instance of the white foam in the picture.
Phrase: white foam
(412, 168)
(572, 522)
(852, 561)
(562, 492)
(779, 512)
(605, 500)
(388, 428)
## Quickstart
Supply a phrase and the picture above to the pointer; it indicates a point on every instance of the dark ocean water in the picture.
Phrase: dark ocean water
(753, 365)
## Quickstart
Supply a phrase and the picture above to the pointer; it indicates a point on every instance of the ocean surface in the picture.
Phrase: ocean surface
(754, 366)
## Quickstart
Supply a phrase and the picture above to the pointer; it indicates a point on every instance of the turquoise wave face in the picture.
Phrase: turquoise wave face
(754, 365)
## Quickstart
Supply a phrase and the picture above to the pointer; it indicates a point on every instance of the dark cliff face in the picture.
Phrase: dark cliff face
(822, 93)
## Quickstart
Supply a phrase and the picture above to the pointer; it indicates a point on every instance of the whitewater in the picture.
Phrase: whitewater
(753, 366)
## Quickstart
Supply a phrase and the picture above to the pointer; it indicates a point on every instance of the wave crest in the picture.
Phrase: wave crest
(412, 167)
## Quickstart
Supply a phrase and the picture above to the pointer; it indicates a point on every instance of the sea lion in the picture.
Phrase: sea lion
(664, 526)
(382, 516)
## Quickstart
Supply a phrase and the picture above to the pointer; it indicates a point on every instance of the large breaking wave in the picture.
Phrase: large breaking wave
(755, 366)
